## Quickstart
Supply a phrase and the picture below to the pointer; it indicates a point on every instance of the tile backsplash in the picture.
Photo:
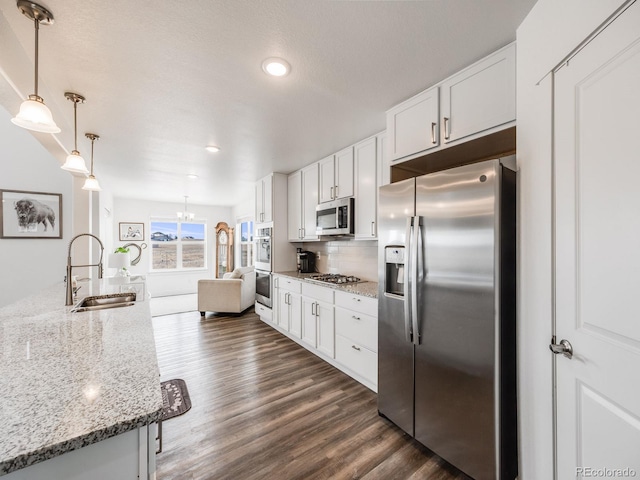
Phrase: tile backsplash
(347, 257)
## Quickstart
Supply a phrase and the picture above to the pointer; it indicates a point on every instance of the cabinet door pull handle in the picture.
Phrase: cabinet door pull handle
(433, 133)
(373, 230)
(447, 134)
(331, 193)
(355, 348)
(355, 318)
(356, 299)
(336, 191)
(303, 234)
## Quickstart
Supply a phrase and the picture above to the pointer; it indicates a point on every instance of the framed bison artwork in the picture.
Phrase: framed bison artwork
(131, 231)
(30, 214)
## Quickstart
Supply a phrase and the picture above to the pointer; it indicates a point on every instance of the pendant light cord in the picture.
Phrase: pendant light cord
(75, 127)
(37, 24)
(92, 140)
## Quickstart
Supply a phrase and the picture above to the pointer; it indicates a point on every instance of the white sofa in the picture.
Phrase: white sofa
(233, 293)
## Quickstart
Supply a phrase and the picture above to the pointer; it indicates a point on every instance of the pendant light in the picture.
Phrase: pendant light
(186, 215)
(75, 163)
(34, 114)
(91, 183)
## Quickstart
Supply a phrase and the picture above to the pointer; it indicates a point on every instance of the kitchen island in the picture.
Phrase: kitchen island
(80, 391)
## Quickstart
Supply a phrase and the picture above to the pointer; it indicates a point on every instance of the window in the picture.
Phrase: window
(178, 246)
(246, 244)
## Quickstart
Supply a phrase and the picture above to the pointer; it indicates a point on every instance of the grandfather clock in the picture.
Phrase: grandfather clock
(224, 249)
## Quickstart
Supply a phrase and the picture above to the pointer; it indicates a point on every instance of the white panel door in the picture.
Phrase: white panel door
(267, 189)
(597, 241)
(294, 206)
(366, 188)
(295, 315)
(327, 179)
(344, 173)
(480, 97)
(413, 125)
(309, 201)
(309, 333)
(326, 328)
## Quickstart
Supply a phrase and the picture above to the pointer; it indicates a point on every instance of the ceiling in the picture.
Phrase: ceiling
(163, 79)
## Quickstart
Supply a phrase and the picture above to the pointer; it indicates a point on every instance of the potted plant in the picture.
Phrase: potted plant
(120, 259)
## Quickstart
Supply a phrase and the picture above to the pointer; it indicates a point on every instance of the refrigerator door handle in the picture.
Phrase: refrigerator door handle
(416, 266)
(407, 292)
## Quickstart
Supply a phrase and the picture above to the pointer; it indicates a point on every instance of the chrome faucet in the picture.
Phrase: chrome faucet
(69, 295)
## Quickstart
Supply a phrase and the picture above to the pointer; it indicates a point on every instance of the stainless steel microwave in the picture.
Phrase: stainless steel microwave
(335, 218)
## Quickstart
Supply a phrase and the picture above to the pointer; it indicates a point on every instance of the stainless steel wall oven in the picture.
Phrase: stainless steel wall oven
(263, 288)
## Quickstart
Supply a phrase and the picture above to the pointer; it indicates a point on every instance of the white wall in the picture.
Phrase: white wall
(141, 211)
(550, 31)
(29, 265)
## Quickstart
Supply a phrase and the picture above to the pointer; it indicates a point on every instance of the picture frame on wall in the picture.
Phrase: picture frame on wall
(130, 231)
(26, 214)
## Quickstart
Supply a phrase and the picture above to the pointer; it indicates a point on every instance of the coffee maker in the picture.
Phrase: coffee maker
(306, 261)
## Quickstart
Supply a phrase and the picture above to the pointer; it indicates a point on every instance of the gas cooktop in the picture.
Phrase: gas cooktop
(334, 278)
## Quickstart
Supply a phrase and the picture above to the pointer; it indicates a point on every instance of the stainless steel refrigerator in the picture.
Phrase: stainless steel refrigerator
(446, 313)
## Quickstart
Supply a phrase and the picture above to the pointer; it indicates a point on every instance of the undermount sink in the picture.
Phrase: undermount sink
(101, 302)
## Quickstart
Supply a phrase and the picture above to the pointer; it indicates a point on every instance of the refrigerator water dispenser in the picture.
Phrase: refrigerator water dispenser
(394, 270)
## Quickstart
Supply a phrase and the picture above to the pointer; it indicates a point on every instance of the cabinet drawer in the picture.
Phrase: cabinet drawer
(358, 327)
(359, 303)
(289, 284)
(322, 294)
(264, 312)
(357, 358)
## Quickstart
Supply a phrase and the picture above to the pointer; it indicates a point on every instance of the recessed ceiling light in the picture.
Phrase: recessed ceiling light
(192, 176)
(212, 148)
(277, 67)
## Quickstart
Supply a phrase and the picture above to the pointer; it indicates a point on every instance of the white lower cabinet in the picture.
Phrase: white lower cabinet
(339, 327)
(287, 297)
(265, 313)
(357, 358)
(129, 455)
(318, 318)
(357, 335)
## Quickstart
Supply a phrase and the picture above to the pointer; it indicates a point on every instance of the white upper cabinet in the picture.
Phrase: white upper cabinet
(336, 175)
(302, 202)
(383, 163)
(327, 183)
(309, 201)
(413, 126)
(479, 100)
(264, 199)
(344, 173)
(294, 206)
(365, 160)
(480, 97)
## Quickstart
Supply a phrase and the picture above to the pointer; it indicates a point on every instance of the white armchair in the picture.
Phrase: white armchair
(233, 293)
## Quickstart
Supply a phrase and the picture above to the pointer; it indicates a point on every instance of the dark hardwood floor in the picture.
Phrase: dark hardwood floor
(265, 408)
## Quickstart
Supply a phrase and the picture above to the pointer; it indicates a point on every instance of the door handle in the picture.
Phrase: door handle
(336, 191)
(447, 134)
(331, 193)
(416, 265)
(433, 133)
(355, 318)
(312, 310)
(302, 236)
(407, 294)
(373, 231)
(564, 347)
(355, 348)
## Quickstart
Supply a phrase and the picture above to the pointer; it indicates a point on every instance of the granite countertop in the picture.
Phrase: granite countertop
(72, 379)
(366, 288)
